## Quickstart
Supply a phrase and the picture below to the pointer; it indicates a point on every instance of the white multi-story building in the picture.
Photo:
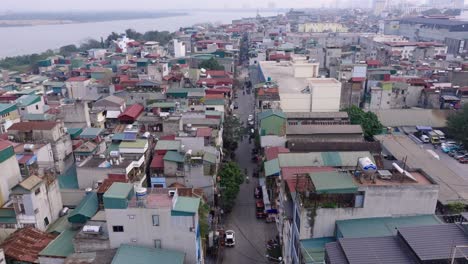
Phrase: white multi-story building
(159, 218)
(299, 88)
(179, 48)
(37, 202)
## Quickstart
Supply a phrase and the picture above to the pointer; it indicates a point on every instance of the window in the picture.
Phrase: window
(37, 191)
(155, 220)
(46, 221)
(157, 243)
(37, 107)
(36, 211)
(131, 216)
(117, 228)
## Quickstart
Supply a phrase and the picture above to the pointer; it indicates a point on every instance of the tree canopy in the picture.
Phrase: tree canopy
(230, 178)
(369, 122)
(457, 125)
(211, 64)
(232, 133)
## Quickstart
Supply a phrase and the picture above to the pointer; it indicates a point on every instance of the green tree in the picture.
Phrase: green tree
(457, 125)
(456, 207)
(369, 122)
(231, 177)
(111, 37)
(203, 211)
(68, 50)
(211, 64)
(90, 44)
(131, 33)
(163, 37)
(232, 133)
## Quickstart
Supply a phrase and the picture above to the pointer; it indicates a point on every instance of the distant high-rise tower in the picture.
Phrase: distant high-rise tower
(458, 4)
(378, 6)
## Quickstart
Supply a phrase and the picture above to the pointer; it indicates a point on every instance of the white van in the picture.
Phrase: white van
(424, 139)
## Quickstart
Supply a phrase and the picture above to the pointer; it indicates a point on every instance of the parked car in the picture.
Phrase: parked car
(424, 139)
(236, 105)
(460, 155)
(463, 160)
(447, 147)
(260, 209)
(250, 118)
(229, 238)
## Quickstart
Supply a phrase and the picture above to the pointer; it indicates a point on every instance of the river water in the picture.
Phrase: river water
(33, 39)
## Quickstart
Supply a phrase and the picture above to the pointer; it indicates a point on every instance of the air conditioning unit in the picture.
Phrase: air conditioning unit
(171, 193)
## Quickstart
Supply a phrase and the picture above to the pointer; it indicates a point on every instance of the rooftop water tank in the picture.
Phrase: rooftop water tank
(367, 165)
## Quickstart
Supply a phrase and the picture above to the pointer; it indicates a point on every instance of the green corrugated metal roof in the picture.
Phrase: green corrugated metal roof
(74, 132)
(7, 216)
(61, 246)
(139, 143)
(168, 145)
(7, 108)
(27, 100)
(119, 190)
(144, 255)
(91, 132)
(86, 209)
(6, 153)
(214, 102)
(332, 159)
(187, 205)
(313, 250)
(59, 225)
(163, 104)
(272, 167)
(333, 182)
(268, 113)
(209, 157)
(112, 147)
(381, 226)
(38, 117)
(174, 156)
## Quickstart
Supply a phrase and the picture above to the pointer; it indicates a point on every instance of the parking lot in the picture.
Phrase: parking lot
(451, 175)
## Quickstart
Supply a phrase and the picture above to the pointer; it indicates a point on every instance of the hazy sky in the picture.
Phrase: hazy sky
(103, 5)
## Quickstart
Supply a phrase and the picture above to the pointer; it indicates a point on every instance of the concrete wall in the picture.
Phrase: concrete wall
(77, 90)
(87, 177)
(173, 231)
(326, 98)
(50, 260)
(11, 176)
(170, 168)
(295, 102)
(55, 200)
(379, 201)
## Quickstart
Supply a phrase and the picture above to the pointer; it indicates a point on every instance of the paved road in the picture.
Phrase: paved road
(251, 234)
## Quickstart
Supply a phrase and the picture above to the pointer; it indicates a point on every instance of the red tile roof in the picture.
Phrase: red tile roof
(358, 79)
(157, 162)
(373, 62)
(132, 112)
(217, 90)
(272, 152)
(214, 73)
(204, 132)
(214, 96)
(4, 144)
(268, 91)
(77, 79)
(33, 125)
(25, 244)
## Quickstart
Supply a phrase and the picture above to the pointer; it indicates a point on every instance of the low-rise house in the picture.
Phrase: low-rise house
(131, 114)
(50, 132)
(34, 158)
(10, 170)
(127, 253)
(77, 87)
(9, 115)
(24, 245)
(31, 104)
(156, 218)
(272, 122)
(37, 201)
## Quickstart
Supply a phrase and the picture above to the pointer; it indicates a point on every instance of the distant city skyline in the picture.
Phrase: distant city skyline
(146, 5)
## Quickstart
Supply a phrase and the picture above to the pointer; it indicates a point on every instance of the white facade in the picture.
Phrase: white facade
(325, 95)
(39, 206)
(98, 54)
(35, 108)
(77, 89)
(379, 201)
(11, 176)
(154, 226)
(179, 48)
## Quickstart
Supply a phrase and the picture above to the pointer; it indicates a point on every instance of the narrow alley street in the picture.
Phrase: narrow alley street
(251, 233)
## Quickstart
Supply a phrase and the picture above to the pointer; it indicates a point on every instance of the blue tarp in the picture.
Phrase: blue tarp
(424, 128)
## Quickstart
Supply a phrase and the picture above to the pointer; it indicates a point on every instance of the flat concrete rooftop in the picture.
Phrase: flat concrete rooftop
(283, 74)
(452, 185)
